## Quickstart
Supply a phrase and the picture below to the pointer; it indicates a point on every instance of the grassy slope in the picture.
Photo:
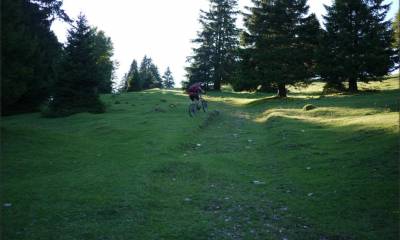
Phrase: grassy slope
(145, 170)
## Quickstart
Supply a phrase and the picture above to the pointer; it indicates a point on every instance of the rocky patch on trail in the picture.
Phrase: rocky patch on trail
(162, 108)
(158, 109)
(237, 219)
(211, 117)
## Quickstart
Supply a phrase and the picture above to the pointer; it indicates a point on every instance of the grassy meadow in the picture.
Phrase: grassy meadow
(253, 167)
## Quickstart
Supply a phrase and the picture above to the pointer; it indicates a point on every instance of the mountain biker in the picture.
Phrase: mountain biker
(194, 91)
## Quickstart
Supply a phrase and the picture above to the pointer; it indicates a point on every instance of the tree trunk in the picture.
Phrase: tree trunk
(217, 85)
(281, 90)
(353, 84)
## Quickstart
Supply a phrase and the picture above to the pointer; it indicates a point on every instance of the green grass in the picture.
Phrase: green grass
(262, 168)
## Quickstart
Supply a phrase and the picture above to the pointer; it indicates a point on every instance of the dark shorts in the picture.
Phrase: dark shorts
(194, 96)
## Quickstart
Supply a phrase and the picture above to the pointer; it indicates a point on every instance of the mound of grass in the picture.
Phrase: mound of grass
(309, 107)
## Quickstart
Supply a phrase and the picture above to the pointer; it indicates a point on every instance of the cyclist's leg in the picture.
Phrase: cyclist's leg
(197, 101)
(193, 98)
(204, 105)
(192, 105)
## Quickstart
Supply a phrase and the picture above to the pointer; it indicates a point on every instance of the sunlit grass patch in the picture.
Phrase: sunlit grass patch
(391, 83)
(232, 99)
(314, 88)
(335, 116)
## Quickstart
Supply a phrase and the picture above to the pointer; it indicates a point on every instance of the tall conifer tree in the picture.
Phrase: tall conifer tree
(215, 55)
(77, 89)
(168, 79)
(30, 53)
(133, 78)
(201, 67)
(149, 74)
(103, 50)
(396, 31)
(357, 43)
(279, 43)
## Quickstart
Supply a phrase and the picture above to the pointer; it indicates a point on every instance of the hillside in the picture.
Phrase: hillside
(253, 167)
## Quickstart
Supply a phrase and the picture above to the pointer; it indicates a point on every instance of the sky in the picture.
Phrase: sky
(160, 29)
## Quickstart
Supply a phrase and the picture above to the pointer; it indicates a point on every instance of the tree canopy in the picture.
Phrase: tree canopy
(142, 77)
(30, 53)
(104, 51)
(86, 70)
(215, 55)
(133, 78)
(168, 79)
(279, 44)
(357, 43)
(396, 32)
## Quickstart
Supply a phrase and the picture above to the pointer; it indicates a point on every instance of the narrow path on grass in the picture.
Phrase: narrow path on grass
(234, 150)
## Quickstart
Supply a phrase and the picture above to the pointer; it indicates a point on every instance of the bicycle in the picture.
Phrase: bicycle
(195, 107)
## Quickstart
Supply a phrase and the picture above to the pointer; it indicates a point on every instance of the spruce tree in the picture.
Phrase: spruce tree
(30, 53)
(357, 43)
(201, 67)
(149, 74)
(133, 78)
(222, 17)
(77, 89)
(123, 85)
(103, 50)
(396, 34)
(156, 81)
(168, 79)
(144, 71)
(214, 59)
(279, 43)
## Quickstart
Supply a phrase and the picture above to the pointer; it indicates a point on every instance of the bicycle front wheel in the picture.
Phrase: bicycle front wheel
(204, 105)
(192, 109)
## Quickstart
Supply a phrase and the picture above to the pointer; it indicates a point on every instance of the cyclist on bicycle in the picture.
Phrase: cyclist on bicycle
(194, 92)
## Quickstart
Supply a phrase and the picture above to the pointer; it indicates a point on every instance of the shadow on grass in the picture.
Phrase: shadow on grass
(386, 99)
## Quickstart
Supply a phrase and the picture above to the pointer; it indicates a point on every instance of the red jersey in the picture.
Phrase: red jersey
(195, 89)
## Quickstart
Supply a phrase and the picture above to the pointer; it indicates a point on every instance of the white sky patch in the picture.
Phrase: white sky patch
(160, 29)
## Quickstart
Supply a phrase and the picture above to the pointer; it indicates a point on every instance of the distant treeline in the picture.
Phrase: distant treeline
(282, 44)
(145, 77)
(38, 71)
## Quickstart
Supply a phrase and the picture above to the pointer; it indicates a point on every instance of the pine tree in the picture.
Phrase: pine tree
(30, 53)
(156, 81)
(103, 50)
(124, 84)
(133, 78)
(149, 74)
(396, 32)
(77, 89)
(279, 43)
(168, 79)
(214, 59)
(356, 45)
(222, 23)
(52, 9)
(201, 67)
